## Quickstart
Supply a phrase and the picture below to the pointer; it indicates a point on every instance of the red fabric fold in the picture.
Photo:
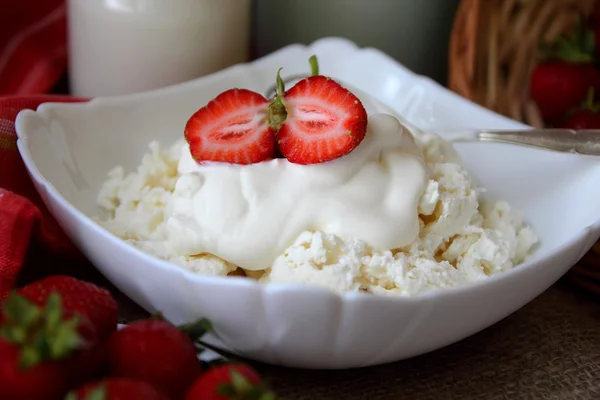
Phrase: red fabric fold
(18, 218)
(23, 217)
(33, 45)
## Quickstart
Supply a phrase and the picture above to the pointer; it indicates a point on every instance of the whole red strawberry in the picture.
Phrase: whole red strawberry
(94, 303)
(43, 350)
(229, 381)
(156, 352)
(233, 128)
(116, 389)
(558, 86)
(563, 79)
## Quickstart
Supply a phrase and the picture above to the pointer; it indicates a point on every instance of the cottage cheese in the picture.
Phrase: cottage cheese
(463, 238)
(135, 205)
(460, 236)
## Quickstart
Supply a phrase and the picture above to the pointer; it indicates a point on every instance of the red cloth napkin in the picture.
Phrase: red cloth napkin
(33, 45)
(24, 219)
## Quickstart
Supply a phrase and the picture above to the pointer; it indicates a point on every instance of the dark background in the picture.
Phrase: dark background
(414, 32)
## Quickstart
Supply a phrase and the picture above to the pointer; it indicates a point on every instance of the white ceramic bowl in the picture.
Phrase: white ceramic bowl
(68, 149)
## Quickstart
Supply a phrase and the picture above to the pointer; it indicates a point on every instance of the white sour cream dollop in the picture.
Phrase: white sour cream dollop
(249, 214)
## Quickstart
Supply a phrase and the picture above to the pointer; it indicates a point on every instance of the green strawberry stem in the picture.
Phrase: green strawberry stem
(590, 103)
(589, 99)
(195, 330)
(277, 111)
(314, 65)
(97, 394)
(42, 334)
(280, 85)
(241, 388)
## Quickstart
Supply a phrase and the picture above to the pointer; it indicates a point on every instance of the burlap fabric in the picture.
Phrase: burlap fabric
(550, 349)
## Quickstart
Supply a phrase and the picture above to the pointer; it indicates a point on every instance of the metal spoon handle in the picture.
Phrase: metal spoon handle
(565, 140)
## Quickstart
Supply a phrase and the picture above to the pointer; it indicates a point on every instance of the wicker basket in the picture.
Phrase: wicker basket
(493, 48)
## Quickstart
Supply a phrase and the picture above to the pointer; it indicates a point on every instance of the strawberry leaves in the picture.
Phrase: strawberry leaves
(241, 387)
(234, 381)
(41, 333)
(577, 48)
(277, 110)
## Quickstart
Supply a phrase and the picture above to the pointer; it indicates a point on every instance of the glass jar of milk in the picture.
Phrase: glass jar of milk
(126, 46)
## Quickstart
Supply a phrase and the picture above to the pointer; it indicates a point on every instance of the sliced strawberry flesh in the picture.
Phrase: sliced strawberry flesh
(232, 128)
(314, 118)
(324, 122)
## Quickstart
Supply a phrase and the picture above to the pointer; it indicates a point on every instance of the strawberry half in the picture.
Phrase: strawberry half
(233, 128)
(324, 121)
(317, 119)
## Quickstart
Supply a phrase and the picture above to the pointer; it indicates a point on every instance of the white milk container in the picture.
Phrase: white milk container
(126, 46)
